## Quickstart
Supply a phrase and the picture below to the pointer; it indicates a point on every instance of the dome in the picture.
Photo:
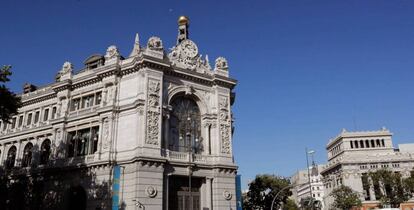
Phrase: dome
(183, 20)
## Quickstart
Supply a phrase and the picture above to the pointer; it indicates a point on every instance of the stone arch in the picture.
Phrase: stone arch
(45, 151)
(189, 92)
(11, 157)
(27, 155)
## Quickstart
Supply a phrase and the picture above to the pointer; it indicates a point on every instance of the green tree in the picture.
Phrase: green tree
(262, 191)
(345, 198)
(9, 102)
(391, 188)
(290, 205)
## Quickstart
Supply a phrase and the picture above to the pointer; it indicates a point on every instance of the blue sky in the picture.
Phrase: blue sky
(306, 69)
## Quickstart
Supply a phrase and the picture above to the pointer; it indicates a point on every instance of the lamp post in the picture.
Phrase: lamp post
(281, 190)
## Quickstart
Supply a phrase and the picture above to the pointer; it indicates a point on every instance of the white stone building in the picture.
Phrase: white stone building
(352, 155)
(303, 190)
(163, 116)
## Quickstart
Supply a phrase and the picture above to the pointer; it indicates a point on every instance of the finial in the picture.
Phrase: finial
(183, 20)
(137, 38)
(136, 49)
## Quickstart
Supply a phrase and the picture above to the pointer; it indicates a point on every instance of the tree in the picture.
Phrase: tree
(9, 102)
(345, 198)
(262, 191)
(290, 205)
(391, 188)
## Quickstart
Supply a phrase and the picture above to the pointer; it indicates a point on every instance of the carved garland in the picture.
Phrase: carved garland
(224, 125)
(153, 114)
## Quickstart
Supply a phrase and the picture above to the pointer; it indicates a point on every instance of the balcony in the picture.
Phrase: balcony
(186, 157)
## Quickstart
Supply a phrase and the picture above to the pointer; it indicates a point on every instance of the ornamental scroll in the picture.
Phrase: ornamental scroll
(225, 125)
(153, 112)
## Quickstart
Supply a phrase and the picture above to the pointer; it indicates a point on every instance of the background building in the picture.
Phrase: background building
(303, 189)
(151, 130)
(352, 155)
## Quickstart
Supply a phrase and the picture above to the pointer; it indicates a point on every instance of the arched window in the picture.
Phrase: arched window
(361, 143)
(185, 126)
(372, 143)
(27, 155)
(366, 143)
(356, 144)
(45, 152)
(11, 157)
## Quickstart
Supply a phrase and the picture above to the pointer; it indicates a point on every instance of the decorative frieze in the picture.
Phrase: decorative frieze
(153, 112)
(225, 125)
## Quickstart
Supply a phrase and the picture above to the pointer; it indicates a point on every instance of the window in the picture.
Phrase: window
(46, 115)
(366, 143)
(11, 157)
(361, 144)
(29, 119)
(378, 143)
(185, 126)
(352, 145)
(45, 151)
(83, 142)
(75, 104)
(27, 155)
(98, 98)
(36, 119)
(13, 122)
(4, 126)
(53, 112)
(20, 121)
(87, 101)
(356, 144)
(382, 143)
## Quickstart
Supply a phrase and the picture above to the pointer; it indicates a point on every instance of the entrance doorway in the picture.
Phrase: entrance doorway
(180, 197)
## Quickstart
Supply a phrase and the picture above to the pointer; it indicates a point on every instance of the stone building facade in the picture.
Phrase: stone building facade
(162, 117)
(352, 155)
(302, 189)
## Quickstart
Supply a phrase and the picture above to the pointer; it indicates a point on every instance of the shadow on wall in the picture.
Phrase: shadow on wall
(39, 181)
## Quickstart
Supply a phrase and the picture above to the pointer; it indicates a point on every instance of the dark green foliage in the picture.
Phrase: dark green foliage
(345, 198)
(391, 188)
(290, 205)
(9, 102)
(262, 191)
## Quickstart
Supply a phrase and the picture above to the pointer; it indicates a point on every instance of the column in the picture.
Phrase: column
(208, 192)
(371, 189)
(17, 160)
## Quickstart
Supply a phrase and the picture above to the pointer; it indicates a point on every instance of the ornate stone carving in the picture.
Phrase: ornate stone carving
(66, 68)
(225, 139)
(105, 143)
(151, 191)
(223, 102)
(185, 55)
(59, 134)
(112, 53)
(225, 125)
(153, 115)
(154, 87)
(152, 128)
(65, 72)
(155, 43)
(221, 64)
(227, 195)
